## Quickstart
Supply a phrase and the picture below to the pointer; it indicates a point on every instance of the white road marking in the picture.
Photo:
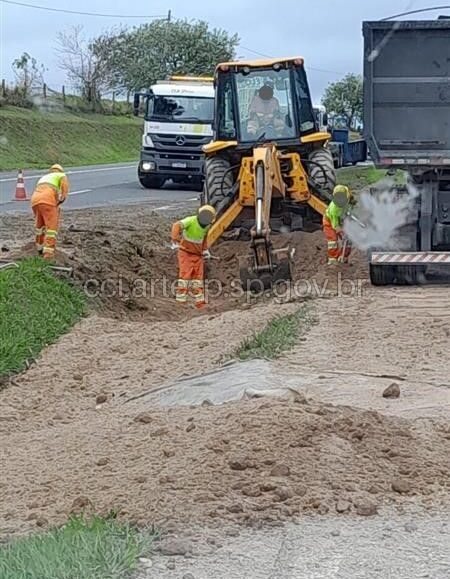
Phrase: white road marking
(71, 172)
(70, 194)
(164, 207)
(80, 191)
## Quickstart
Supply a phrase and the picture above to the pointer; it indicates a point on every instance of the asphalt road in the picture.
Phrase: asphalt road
(95, 186)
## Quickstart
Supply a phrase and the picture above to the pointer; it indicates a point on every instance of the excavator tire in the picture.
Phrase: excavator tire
(324, 179)
(218, 182)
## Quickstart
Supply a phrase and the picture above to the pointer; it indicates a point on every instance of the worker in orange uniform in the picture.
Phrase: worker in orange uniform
(189, 237)
(50, 192)
(333, 222)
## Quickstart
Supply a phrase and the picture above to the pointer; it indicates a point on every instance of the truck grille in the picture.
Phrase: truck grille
(163, 141)
(181, 156)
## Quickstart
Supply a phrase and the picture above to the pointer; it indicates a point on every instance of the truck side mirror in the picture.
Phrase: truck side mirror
(325, 119)
(136, 101)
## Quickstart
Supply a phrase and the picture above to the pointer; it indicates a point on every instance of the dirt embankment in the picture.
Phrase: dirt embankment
(122, 260)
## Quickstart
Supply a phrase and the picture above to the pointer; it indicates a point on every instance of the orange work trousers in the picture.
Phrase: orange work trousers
(334, 243)
(47, 222)
(191, 272)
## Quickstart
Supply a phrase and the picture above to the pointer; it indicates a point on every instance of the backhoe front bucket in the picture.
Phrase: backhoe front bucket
(257, 277)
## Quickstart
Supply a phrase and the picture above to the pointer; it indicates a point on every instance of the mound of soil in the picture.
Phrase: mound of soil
(122, 260)
(310, 262)
(251, 462)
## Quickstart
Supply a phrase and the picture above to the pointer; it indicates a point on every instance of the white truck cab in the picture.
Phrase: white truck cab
(178, 117)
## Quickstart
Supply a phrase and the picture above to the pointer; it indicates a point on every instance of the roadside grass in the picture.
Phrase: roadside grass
(93, 548)
(35, 309)
(279, 335)
(36, 139)
(359, 177)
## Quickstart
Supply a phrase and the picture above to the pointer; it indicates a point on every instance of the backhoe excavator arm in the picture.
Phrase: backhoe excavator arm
(224, 222)
(317, 204)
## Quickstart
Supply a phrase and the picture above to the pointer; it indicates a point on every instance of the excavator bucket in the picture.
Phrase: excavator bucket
(264, 267)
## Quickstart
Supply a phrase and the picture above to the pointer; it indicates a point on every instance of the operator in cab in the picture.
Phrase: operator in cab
(264, 112)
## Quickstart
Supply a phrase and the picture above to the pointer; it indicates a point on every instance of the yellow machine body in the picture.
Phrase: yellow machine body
(284, 162)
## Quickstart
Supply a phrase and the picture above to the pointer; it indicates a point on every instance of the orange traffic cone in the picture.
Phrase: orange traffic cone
(21, 193)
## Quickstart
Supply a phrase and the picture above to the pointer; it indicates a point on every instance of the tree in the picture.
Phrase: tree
(345, 97)
(29, 74)
(134, 59)
(82, 66)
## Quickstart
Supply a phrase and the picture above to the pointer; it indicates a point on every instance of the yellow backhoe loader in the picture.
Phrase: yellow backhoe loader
(268, 166)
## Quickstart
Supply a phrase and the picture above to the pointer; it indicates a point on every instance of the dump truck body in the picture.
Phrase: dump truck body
(407, 126)
(407, 93)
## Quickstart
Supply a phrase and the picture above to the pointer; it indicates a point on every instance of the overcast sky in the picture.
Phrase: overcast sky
(326, 32)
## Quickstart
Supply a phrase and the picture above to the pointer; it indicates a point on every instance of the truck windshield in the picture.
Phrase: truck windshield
(180, 109)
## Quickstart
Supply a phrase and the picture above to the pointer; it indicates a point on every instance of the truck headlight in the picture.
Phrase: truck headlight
(148, 166)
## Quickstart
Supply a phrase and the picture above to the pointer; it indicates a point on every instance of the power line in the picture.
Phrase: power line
(447, 7)
(310, 67)
(24, 4)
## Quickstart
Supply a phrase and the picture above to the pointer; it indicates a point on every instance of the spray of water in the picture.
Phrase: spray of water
(384, 212)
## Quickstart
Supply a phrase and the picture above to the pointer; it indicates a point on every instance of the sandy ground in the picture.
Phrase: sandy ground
(390, 546)
(69, 440)
(366, 342)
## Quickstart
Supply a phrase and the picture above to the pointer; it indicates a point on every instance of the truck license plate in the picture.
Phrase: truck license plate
(179, 165)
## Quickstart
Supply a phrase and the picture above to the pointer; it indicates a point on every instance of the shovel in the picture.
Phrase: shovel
(344, 249)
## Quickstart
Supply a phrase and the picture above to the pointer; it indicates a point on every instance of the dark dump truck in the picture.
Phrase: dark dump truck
(407, 126)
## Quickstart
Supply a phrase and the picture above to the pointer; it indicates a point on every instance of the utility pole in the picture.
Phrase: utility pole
(169, 16)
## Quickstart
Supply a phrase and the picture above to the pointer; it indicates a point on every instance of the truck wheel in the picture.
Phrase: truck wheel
(198, 186)
(410, 275)
(151, 181)
(382, 274)
(218, 182)
(322, 171)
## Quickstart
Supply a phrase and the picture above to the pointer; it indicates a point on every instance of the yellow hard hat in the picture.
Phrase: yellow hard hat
(206, 215)
(56, 169)
(341, 195)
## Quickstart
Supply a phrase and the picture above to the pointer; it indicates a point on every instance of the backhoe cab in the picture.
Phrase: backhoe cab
(268, 164)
